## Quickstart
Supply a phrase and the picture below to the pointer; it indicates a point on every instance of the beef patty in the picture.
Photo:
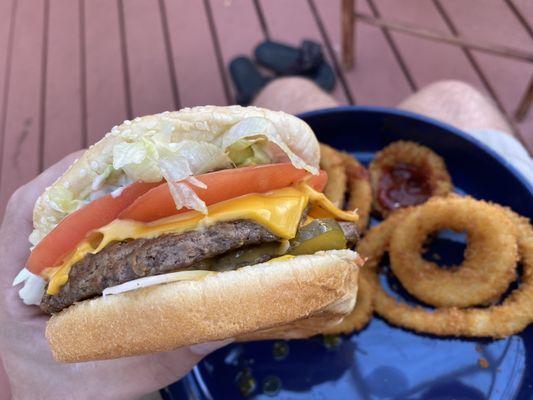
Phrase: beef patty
(121, 262)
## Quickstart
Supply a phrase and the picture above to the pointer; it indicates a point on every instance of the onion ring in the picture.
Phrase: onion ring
(361, 314)
(359, 191)
(405, 174)
(489, 264)
(332, 162)
(513, 315)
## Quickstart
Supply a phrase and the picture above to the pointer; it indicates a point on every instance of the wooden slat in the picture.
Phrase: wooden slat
(237, 27)
(476, 19)
(62, 119)
(150, 79)
(6, 28)
(291, 22)
(376, 78)
(106, 91)
(20, 161)
(525, 8)
(197, 73)
(455, 39)
(426, 60)
(348, 32)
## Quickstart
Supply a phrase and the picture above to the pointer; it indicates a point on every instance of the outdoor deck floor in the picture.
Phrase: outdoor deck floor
(70, 70)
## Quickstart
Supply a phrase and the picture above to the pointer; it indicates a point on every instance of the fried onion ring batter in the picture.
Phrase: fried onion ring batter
(359, 191)
(331, 161)
(490, 258)
(513, 315)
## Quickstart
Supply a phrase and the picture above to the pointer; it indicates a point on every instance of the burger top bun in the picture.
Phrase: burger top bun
(172, 145)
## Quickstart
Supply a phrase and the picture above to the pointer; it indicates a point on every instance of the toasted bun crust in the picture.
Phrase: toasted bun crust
(257, 299)
(206, 123)
(303, 328)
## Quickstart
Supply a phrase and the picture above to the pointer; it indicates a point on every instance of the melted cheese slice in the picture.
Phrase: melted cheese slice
(278, 211)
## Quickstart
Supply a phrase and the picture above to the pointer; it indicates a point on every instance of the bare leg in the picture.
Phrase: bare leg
(293, 95)
(457, 104)
(453, 102)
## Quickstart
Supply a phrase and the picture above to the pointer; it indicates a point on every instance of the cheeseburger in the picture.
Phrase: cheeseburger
(190, 226)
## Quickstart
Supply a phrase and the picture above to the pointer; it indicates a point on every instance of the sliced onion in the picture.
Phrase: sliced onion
(33, 290)
(22, 276)
(157, 280)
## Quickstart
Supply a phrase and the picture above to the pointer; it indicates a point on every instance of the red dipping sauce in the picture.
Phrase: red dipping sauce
(403, 185)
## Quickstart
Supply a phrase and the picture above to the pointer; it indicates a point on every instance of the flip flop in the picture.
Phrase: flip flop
(307, 61)
(247, 79)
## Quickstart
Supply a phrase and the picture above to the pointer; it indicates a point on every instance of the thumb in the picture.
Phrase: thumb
(18, 219)
(21, 203)
(180, 361)
(146, 374)
(203, 349)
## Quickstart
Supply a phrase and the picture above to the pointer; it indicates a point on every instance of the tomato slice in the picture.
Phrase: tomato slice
(73, 228)
(222, 185)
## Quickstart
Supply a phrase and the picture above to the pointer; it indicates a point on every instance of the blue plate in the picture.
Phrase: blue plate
(385, 362)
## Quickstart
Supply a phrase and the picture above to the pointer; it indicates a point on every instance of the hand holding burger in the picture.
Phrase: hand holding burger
(186, 227)
(27, 358)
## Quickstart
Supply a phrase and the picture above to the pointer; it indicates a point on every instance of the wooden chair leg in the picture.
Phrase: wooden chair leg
(348, 33)
(525, 103)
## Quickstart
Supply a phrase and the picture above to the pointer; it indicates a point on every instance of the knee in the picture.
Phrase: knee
(293, 95)
(292, 84)
(447, 94)
(451, 85)
(454, 91)
(457, 103)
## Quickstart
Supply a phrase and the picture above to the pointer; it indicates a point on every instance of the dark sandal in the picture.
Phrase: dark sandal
(247, 79)
(307, 61)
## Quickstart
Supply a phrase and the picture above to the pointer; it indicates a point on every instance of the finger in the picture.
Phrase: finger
(146, 374)
(18, 220)
(22, 201)
(204, 349)
(172, 366)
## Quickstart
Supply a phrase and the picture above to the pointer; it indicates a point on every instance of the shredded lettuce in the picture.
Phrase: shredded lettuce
(128, 153)
(247, 152)
(99, 181)
(138, 160)
(157, 155)
(35, 237)
(273, 146)
(150, 150)
(61, 199)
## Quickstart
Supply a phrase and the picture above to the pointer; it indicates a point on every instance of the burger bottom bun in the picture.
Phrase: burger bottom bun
(281, 299)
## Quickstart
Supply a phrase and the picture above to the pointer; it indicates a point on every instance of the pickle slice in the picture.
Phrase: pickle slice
(320, 234)
(249, 256)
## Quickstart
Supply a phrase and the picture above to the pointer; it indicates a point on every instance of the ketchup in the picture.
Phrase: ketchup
(403, 185)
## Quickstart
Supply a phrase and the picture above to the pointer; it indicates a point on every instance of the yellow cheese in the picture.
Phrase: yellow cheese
(278, 211)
